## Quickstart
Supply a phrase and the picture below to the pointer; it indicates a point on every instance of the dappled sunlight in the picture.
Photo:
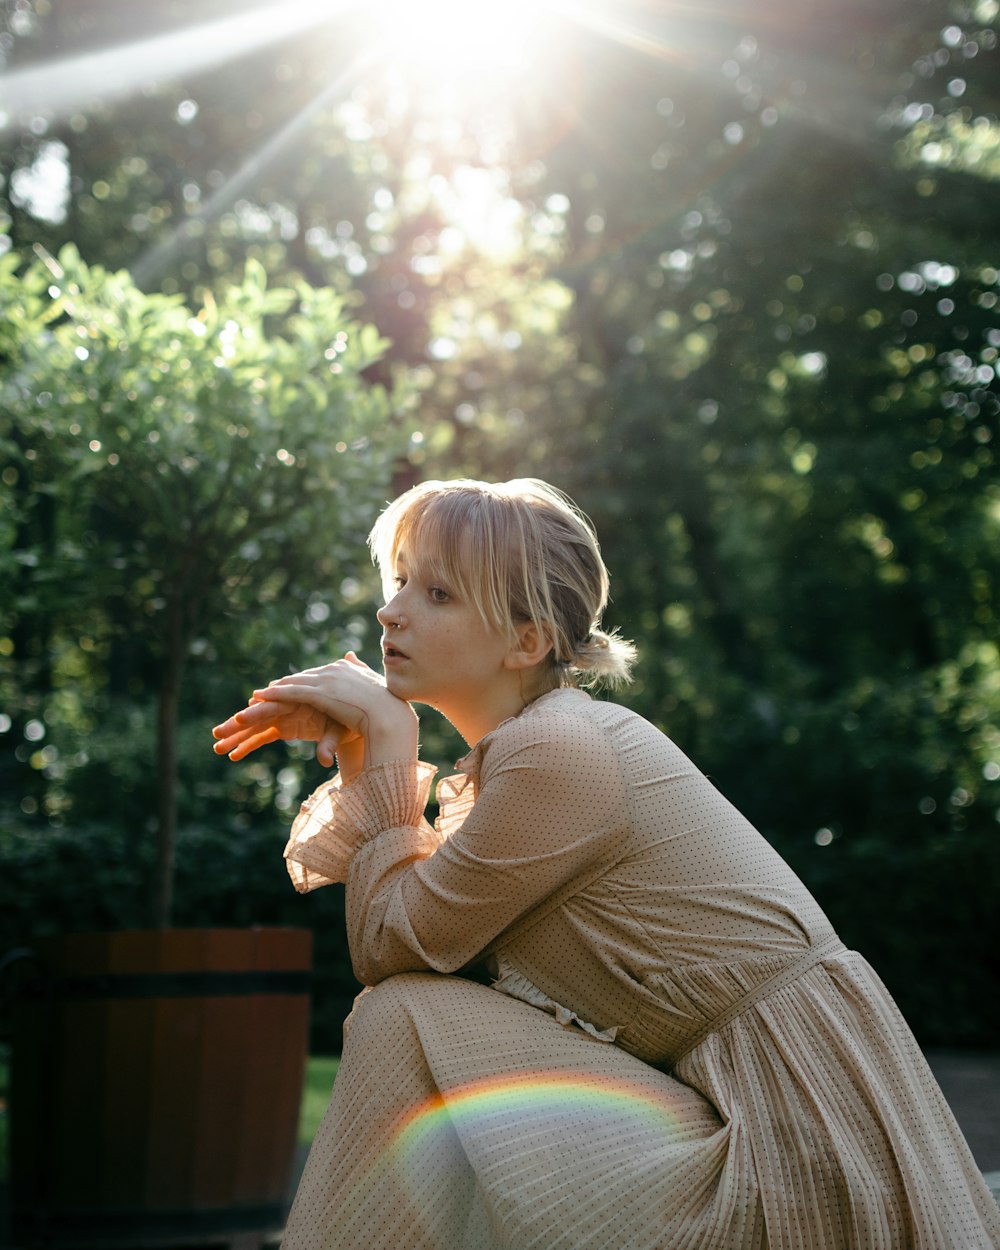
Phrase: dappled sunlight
(482, 211)
(155, 259)
(456, 74)
(955, 142)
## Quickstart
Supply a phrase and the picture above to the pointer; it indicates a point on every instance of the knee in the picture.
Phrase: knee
(379, 1009)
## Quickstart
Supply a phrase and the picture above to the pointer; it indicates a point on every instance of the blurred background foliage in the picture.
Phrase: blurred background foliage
(729, 276)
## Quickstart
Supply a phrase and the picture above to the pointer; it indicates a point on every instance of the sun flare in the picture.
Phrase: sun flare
(461, 67)
(462, 39)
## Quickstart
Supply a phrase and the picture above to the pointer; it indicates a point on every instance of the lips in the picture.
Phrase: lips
(390, 651)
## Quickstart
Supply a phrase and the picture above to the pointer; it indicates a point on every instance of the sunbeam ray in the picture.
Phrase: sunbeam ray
(599, 18)
(59, 88)
(154, 260)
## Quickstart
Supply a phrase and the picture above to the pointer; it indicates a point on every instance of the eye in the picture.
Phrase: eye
(438, 594)
(399, 581)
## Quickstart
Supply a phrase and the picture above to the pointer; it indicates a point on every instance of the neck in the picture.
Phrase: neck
(475, 722)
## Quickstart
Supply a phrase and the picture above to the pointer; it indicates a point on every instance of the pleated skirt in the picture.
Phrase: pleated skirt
(462, 1119)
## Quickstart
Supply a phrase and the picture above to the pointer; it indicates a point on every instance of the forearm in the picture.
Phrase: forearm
(540, 818)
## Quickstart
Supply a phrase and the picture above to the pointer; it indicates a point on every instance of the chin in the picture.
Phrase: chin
(395, 685)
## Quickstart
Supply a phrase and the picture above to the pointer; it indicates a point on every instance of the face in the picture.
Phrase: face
(438, 650)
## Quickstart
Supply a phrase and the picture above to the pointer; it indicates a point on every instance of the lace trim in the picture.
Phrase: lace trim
(516, 985)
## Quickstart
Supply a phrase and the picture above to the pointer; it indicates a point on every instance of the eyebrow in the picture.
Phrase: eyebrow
(422, 568)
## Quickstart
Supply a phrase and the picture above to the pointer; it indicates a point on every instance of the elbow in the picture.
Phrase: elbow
(367, 970)
(370, 967)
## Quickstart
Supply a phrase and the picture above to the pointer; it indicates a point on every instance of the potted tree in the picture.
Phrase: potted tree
(218, 455)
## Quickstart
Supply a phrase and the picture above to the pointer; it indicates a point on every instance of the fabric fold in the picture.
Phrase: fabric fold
(516, 985)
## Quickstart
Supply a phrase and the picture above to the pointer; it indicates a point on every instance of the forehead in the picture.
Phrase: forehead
(428, 559)
(434, 535)
(410, 558)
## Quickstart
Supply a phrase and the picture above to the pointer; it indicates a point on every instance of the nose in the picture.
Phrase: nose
(389, 615)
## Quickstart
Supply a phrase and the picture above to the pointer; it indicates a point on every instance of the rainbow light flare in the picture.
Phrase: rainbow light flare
(538, 1103)
(534, 1152)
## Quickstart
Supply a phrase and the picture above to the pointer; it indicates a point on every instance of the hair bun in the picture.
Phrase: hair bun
(604, 658)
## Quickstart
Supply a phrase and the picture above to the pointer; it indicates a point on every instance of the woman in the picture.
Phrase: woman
(604, 1012)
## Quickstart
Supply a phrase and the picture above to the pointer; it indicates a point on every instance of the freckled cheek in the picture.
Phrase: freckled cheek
(449, 636)
(453, 651)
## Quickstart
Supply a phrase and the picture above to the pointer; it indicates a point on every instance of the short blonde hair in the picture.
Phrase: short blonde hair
(519, 551)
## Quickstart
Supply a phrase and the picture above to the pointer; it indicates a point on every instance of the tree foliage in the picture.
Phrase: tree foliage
(784, 283)
(745, 311)
(174, 473)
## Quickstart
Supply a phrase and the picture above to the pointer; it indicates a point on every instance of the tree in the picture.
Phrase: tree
(204, 465)
(181, 178)
(781, 260)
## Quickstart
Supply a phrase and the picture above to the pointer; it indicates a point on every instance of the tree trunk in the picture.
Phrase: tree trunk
(166, 745)
(31, 630)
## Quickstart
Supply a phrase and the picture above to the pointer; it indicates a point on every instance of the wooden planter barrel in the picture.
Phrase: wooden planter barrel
(156, 1084)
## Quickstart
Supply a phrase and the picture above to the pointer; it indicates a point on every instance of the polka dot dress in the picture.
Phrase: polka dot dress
(604, 1013)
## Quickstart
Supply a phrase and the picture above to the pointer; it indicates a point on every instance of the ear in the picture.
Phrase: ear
(532, 646)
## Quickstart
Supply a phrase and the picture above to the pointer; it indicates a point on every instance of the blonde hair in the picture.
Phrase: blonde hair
(519, 551)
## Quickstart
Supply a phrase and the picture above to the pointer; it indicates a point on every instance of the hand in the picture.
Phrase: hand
(354, 697)
(264, 721)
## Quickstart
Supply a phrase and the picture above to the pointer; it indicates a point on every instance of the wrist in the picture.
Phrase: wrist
(350, 759)
(393, 735)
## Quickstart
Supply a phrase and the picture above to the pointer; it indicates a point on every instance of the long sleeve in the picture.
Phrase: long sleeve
(336, 819)
(545, 809)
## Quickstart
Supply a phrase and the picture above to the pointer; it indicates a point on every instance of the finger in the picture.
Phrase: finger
(246, 722)
(251, 744)
(334, 735)
(291, 678)
(246, 715)
(304, 675)
(281, 694)
(226, 727)
(231, 740)
(258, 713)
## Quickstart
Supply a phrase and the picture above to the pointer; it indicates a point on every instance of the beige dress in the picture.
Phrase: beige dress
(676, 1051)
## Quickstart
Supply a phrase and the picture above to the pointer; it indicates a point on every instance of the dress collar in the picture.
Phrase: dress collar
(471, 763)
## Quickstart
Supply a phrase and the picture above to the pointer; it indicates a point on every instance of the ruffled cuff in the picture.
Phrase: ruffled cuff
(336, 819)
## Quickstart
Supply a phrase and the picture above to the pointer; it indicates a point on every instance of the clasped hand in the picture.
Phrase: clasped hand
(343, 707)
